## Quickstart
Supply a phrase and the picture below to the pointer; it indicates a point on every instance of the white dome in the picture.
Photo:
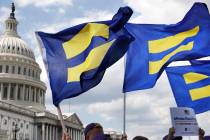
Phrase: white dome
(15, 45)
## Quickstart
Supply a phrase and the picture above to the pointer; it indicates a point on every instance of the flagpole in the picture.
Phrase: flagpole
(60, 116)
(124, 114)
(124, 105)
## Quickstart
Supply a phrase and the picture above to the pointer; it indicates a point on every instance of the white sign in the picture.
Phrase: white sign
(184, 121)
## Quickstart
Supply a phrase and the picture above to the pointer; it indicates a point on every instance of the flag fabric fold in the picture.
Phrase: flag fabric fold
(76, 58)
(191, 85)
(157, 45)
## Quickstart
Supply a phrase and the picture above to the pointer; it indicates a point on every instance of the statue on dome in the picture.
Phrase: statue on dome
(12, 15)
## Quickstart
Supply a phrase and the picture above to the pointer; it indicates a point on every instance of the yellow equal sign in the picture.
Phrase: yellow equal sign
(197, 93)
(80, 43)
(164, 44)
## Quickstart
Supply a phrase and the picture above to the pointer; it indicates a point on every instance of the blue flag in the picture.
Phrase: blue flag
(156, 46)
(191, 86)
(77, 57)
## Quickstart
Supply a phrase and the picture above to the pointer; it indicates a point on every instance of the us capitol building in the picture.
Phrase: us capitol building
(23, 115)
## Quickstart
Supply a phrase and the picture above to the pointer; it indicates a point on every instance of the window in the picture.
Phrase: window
(19, 69)
(7, 69)
(5, 122)
(12, 91)
(29, 72)
(36, 74)
(5, 87)
(24, 71)
(13, 69)
(0, 68)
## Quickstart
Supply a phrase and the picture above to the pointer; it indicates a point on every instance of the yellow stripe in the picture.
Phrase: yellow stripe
(92, 61)
(200, 93)
(155, 66)
(157, 46)
(192, 77)
(82, 40)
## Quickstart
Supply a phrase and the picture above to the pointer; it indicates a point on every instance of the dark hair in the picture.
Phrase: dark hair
(207, 138)
(177, 138)
(140, 138)
(174, 138)
(91, 126)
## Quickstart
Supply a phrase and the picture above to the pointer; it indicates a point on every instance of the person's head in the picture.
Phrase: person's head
(140, 138)
(177, 138)
(93, 131)
(174, 138)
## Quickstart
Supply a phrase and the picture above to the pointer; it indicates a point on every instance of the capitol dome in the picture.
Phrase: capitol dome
(15, 45)
(20, 82)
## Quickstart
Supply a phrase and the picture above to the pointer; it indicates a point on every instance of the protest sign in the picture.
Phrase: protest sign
(184, 121)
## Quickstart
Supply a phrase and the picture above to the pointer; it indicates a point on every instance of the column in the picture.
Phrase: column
(77, 135)
(40, 96)
(72, 133)
(35, 131)
(30, 94)
(8, 91)
(56, 133)
(35, 94)
(23, 93)
(47, 132)
(1, 86)
(50, 133)
(16, 91)
(43, 131)
(43, 94)
(80, 133)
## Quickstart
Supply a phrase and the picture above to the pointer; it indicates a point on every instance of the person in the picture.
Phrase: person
(66, 136)
(207, 138)
(124, 137)
(170, 136)
(94, 131)
(201, 133)
(140, 138)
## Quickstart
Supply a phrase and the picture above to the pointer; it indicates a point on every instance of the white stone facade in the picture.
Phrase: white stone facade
(22, 94)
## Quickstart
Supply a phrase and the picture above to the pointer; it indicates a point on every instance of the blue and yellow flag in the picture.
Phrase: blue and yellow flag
(191, 86)
(156, 46)
(77, 57)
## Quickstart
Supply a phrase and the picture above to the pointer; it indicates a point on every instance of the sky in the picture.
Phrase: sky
(147, 110)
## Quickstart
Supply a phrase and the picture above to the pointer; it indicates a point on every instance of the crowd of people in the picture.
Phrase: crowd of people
(94, 131)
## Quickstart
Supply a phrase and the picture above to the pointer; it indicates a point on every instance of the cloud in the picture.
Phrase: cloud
(90, 16)
(147, 110)
(160, 11)
(44, 3)
(4, 13)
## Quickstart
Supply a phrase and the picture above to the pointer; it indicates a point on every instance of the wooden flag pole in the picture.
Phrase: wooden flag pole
(60, 116)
